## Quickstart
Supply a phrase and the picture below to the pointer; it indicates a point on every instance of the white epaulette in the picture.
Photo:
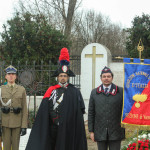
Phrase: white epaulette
(58, 101)
(4, 104)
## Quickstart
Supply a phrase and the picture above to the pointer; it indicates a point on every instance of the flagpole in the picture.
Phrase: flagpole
(140, 48)
(123, 57)
(140, 54)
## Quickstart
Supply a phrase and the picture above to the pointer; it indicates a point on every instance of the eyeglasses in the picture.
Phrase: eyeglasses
(63, 76)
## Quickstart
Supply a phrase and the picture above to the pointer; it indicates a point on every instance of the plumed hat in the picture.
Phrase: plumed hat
(106, 70)
(64, 62)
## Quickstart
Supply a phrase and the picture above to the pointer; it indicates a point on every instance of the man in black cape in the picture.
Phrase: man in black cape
(59, 123)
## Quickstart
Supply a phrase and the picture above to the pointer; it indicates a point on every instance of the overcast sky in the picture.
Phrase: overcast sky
(119, 11)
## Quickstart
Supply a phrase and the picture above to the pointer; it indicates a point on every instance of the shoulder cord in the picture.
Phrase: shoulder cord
(4, 104)
(53, 96)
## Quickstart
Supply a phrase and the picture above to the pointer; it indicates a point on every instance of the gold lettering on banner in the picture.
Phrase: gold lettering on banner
(146, 117)
(142, 73)
(137, 116)
(129, 79)
(139, 85)
(126, 114)
(133, 116)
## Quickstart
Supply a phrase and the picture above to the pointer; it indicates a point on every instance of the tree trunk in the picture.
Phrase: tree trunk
(68, 21)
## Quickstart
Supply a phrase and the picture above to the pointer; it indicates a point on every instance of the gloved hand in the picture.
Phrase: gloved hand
(23, 131)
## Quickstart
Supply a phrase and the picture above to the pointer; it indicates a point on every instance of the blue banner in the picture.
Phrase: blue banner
(136, 107)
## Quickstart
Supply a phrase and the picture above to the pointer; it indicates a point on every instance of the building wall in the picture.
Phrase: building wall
(30, 102)
(117, 69)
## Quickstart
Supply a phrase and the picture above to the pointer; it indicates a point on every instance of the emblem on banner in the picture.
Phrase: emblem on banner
(139, 98)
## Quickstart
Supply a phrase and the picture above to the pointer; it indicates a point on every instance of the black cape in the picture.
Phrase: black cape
(71, 131)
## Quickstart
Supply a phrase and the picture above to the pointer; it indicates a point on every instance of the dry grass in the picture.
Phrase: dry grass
(91, 145)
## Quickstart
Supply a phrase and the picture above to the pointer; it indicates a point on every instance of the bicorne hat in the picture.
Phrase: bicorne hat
(64, 62)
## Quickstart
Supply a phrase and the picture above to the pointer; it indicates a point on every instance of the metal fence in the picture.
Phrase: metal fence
(36, 78)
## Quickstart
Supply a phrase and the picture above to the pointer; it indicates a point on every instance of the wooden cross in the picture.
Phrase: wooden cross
(93, 56)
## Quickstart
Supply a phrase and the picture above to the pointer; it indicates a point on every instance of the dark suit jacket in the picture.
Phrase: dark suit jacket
(104, 114)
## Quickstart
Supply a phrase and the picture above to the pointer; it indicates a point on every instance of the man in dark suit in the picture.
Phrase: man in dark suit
(104, 113)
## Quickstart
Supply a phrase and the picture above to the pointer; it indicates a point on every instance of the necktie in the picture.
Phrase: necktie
(11, 87)
(106, 90)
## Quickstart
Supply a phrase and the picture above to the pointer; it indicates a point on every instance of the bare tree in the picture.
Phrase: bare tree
(80, 27)
(60, 12)
(96, 28)
(60, 5)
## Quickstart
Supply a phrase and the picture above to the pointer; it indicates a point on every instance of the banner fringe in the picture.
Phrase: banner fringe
(135, 127)
(131, 130)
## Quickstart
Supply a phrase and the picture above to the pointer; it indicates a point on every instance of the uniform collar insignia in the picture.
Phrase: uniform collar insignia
(63, 85)
(113, 89)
